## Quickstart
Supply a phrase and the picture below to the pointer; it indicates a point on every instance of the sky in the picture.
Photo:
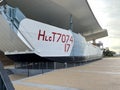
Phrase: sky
(107, 13)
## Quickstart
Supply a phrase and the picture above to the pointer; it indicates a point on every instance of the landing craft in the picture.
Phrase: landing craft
(28, 40)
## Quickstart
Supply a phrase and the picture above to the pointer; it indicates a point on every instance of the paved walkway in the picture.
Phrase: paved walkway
(100, 75)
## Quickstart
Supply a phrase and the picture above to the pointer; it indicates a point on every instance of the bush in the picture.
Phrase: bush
(107, 52)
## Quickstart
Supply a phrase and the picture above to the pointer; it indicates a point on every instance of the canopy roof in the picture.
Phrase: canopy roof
(57, 13)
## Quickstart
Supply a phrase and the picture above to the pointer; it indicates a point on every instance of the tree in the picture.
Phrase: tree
(107, 52)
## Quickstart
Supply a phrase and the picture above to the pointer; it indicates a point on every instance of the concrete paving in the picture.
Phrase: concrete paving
(99, 75)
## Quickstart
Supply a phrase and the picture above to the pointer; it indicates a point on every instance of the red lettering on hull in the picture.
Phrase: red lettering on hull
(41, 35)
(67, 40)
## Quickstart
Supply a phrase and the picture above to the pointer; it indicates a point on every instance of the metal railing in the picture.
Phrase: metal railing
(5, 83)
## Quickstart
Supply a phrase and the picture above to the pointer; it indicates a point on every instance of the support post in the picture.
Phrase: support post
(42, 67)
(55, 65)
(46, 65)
(65, 64)
(71, 23)
(28, 69)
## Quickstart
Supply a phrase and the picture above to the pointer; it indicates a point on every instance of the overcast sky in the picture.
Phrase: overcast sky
(107, 12)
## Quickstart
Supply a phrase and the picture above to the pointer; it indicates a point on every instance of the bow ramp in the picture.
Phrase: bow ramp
(11, 40)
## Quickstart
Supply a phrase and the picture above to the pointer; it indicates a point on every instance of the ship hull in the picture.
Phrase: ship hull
(27, 40)
(35, 58)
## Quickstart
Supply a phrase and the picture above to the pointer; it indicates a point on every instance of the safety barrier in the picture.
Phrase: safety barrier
(5, 83)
